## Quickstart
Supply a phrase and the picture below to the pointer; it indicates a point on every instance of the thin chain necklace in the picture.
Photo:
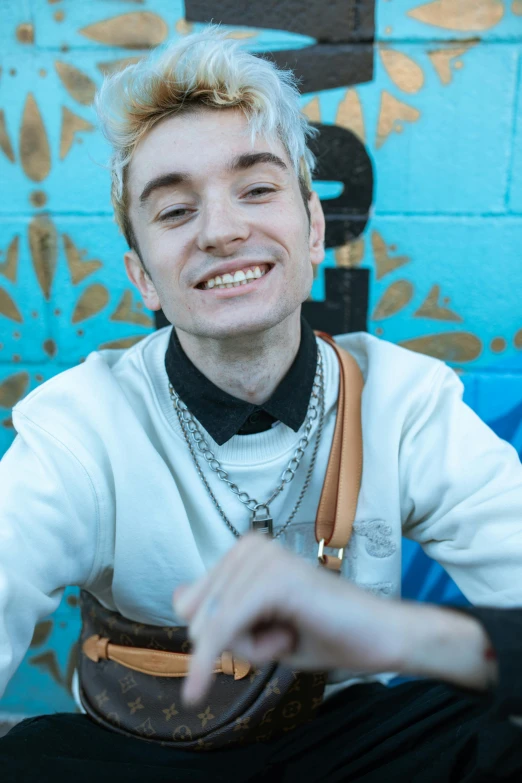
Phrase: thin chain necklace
(261, 519)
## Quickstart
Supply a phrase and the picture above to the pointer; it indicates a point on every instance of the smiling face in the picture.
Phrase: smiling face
(206, 203)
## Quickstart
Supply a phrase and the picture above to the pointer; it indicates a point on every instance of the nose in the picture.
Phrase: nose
(223, 227)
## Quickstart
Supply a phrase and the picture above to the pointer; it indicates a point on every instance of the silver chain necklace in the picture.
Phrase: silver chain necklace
(261, 519)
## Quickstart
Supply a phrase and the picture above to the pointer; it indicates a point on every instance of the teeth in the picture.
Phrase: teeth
(241, 277)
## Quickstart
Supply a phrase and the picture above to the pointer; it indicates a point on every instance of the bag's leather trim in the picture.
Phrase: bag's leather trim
(160, 663)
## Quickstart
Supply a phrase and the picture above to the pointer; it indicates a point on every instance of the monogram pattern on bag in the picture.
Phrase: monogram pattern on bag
(272, 688)
(241, 724)
(291, 710)
(205, 717)
(135, 705)
(182, 733)
(267, 717)
(155, 645)
(126, 640)
(169, 631)
(269, 702)
(126, 683)
(146, 729)
(101, 698)
(170, 712)
(114, 718)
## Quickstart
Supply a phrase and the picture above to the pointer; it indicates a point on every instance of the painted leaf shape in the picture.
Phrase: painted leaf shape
(5, 143)
(469, 15)
(43, 243)
(79, 86)
(442, 58)
(350, 114)
(41, 633)
(242, 34)
(312, 110)
(8, 307)
(457, 347)
(113, 66)
(124, 312)
(35, 153)
(402, 70)
(135, 30)
(431, 308)
(12, 389)
(518, 339)
(394, 299)
(351, 254)
(50, 347)
(124, 342)
(78, 268)
(48, 662)
(392, 110)
(9, 267)
(384, 262)
(71, 125)
(90, 303)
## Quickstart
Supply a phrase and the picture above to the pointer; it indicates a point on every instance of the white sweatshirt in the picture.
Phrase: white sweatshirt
(99, 489)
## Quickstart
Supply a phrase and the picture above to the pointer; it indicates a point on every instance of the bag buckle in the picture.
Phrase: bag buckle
(331, 562)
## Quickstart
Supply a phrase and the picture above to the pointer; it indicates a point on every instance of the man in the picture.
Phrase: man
(103, 486)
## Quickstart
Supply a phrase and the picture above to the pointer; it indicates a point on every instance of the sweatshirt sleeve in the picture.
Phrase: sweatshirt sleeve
(461, 497)
(49, 520)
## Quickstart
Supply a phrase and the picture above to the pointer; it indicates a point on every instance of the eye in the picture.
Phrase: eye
(262, 190)
(174, 214)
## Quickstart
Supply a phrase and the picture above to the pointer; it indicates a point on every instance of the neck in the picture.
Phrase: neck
(249, 367)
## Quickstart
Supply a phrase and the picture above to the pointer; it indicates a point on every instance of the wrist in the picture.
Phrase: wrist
(443, 643)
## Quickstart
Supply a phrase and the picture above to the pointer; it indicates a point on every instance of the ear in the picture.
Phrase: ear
(141, 279)
(317, 229)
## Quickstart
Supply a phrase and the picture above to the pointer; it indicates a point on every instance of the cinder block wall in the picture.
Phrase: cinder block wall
(432, 90)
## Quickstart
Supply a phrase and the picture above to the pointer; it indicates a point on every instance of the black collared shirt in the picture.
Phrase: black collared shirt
(222, 414)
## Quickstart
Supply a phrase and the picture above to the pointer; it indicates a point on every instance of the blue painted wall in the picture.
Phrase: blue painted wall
(442, 120)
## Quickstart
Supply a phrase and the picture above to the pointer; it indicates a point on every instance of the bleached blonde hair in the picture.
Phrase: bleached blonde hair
(203, 70)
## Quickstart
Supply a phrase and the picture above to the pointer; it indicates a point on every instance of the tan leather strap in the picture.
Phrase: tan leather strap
(157, 662)
(338, 503)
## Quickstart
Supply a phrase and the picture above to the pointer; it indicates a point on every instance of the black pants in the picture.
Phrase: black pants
(417, 732)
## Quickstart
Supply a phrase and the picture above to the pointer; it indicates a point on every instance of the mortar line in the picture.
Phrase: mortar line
(514, 127)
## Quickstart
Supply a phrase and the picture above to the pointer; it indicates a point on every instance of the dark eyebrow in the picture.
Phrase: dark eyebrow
(241, 163)
(163, 181)
(250, 159)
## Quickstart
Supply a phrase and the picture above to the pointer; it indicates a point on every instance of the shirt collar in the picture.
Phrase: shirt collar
(222, 414)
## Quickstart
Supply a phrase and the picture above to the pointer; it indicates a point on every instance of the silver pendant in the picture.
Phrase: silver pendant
(261, 521)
